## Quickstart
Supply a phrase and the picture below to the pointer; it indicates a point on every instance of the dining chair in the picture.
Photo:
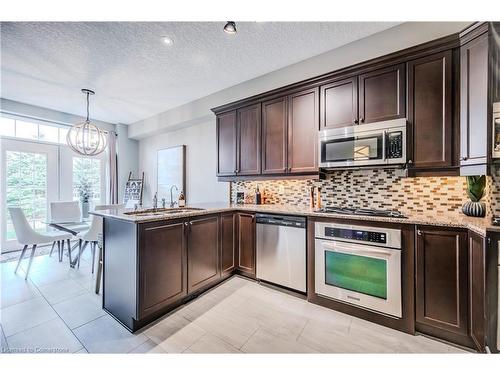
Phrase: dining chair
(64, 212)
(26, 236)
(91, 236)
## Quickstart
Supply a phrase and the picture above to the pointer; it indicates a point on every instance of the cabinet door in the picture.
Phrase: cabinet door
(477, 290)
(249, 151)
(303, 126)
(203, 252)
(274, 136)
(339, 103)
(246, 244)
(162, 266)
(474, 101)
(228, 243)
(382, 94)
(441, 283)
(430, 113)
(226, 144)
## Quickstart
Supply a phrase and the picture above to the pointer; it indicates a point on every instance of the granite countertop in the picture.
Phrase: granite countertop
(457, 220)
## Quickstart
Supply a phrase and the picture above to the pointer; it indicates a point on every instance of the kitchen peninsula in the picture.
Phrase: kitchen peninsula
(155, 261)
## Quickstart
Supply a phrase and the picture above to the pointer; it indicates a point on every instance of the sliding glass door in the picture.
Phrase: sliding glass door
(29, 179)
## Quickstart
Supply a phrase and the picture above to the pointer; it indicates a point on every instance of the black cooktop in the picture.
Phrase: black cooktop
(361, 211)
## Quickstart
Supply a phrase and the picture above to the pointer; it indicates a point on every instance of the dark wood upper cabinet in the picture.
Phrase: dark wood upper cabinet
(226, 144)
(474, 120)
(382, 94)
(162, 266)
(203, 252)
(442, 283)
(246, 243)
(430, 112)
(339, 103)
(477, 289)
(303, 126)
(248, 121)
(228, 243)
(274, 136)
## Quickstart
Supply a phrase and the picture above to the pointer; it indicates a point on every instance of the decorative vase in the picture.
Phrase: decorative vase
(475, 209)
(85, 210)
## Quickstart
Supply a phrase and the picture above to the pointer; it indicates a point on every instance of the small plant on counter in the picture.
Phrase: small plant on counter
(475, 191)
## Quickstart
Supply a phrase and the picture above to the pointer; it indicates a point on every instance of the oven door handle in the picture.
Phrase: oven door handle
(356, 249)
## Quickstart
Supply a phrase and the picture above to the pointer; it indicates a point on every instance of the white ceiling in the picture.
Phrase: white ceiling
(136, 76)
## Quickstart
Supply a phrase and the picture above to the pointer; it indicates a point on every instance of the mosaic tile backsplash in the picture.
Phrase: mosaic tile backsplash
(379, 189)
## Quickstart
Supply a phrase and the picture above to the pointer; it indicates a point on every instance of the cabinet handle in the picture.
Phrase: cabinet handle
(419, 232)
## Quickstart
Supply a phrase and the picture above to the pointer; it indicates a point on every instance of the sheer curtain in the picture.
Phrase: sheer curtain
(112, 194)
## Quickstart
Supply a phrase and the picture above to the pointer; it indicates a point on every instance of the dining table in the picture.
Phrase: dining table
(73, 227)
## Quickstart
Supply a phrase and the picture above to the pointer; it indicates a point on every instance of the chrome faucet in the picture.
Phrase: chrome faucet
(155, 201)
(172, 202)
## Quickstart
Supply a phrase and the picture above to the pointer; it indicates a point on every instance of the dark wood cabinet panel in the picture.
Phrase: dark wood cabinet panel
(430, 113)
(477, 290)
(382, 94)
(249, 145)
(246, 243)
(339, 103)
(162, 266)
(474, 121)
(274, 136)
(441, 283)
(203, 252)
(228, 243)
(303, 126)
(226, 144)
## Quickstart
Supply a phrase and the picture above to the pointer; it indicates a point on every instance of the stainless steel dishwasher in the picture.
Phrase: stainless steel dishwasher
(281, 250)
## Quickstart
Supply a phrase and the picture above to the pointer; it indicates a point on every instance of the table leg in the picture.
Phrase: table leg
(99, 272)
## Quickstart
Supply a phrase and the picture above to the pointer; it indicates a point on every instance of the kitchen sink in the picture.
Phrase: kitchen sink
(163, 211)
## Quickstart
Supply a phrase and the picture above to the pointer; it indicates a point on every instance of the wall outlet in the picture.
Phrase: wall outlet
(281, 189)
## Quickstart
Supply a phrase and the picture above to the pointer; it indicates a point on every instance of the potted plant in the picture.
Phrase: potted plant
(475, 191)
(85, 192)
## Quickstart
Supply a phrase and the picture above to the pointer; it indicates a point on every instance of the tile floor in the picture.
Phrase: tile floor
(56, 310)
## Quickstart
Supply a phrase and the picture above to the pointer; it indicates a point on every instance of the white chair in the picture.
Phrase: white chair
(91, 236)
(27, 236)
(65, 212)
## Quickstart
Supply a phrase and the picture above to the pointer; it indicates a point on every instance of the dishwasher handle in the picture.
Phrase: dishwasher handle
(280, 220)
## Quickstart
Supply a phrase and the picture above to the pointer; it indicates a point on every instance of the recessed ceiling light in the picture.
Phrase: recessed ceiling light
(168, 41)
(230, 27)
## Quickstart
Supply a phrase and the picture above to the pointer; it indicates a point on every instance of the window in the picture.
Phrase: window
(28, 130)
(37, 131)
(87, 170)
(7, 127)
(26, 187)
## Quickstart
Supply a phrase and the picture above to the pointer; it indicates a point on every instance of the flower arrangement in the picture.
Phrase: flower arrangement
(84, 190)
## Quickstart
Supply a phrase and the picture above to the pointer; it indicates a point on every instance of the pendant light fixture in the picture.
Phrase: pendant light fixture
(85, 138)
(230, 27)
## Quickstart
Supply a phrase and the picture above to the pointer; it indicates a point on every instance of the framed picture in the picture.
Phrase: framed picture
(171, 171)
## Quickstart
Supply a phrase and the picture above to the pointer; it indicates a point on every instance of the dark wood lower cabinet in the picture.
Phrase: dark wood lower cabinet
(450, 285)
(246, 244)
(203, 252)
(162, 266)
(228, 243)
(477, 290)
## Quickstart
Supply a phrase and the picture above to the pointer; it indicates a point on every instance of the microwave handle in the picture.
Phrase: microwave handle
(355, 249)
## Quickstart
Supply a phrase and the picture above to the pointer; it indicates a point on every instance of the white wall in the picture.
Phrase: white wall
(394, 39)
(127, 151)
(201, 181)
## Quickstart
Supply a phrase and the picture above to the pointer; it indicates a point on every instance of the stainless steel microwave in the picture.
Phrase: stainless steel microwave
(376, 144)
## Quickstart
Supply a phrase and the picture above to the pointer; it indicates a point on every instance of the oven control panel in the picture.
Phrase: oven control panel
(357, 235)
